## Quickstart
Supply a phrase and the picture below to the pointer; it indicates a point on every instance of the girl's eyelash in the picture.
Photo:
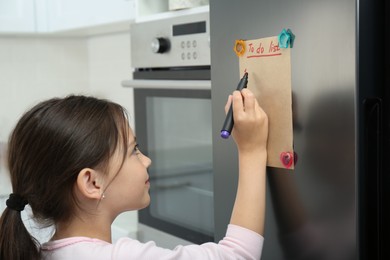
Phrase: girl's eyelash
(136, 148)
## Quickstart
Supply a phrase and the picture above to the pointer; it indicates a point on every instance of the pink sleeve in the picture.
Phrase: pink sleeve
(239, 243)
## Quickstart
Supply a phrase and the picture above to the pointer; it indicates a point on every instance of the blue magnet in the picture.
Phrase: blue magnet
(286, 38)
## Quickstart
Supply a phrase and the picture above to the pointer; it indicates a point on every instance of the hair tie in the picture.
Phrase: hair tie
(16, 202)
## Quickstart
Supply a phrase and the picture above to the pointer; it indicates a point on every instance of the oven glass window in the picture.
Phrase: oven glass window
(179, 142)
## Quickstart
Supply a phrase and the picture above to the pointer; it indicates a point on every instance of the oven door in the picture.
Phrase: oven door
(173, 128)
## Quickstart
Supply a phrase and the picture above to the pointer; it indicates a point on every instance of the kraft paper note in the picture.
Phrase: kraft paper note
(269, 77)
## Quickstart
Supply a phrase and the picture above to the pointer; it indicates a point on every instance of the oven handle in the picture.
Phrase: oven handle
(168, 84)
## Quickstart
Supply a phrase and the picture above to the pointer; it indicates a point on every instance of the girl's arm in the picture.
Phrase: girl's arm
(250, 133)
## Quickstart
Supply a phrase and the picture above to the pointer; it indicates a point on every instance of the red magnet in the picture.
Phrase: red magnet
(287, 159)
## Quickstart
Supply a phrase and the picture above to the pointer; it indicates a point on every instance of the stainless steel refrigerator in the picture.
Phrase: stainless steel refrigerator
(333, 204)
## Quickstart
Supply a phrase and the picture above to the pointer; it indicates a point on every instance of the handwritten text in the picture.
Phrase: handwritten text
(263, 51)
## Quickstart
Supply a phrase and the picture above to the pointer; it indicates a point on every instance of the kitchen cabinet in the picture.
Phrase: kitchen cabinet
(17, 16)
(149, 10)
(72, 14)
(150, 7)
(56, 16)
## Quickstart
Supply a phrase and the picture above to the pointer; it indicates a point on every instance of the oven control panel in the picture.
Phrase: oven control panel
(189, 50)
(173, 42)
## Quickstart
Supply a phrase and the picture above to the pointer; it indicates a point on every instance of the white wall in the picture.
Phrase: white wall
(32, 69)
(37, 68)
(109, 64)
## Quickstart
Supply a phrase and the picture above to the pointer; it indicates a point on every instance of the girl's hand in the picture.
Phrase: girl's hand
(250, 130)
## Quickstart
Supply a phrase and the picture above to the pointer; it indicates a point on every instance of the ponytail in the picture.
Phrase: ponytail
(16, 243)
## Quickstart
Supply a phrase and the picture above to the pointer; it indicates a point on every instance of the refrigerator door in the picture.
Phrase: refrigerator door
(311, 211)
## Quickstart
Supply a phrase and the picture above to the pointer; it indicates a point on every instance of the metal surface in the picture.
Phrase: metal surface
(184, 50)
(311, 211)
(176, 73)
(168, 84)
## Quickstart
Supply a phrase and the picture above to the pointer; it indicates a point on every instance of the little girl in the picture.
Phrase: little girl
(76, 162)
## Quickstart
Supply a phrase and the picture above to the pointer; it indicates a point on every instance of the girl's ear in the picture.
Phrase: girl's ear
(90, 183)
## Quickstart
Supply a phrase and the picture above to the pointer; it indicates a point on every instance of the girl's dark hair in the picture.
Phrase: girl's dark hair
(49, 146)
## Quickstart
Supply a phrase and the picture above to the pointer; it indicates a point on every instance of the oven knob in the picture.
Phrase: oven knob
(160, 45)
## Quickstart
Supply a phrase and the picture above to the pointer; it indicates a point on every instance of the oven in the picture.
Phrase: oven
(172, 106)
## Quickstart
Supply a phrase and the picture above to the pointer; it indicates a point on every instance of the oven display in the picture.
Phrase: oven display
(189, 28)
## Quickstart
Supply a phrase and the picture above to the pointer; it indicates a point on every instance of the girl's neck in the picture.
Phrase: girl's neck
(93, 227)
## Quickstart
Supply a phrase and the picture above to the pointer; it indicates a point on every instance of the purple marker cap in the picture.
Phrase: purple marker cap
(225, 134)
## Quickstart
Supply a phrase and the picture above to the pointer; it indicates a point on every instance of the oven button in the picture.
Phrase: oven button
(160, 45)
(183, 44)
(194, 55)
(194, 43)
(188, 44)
(189, 55)
(183, 56)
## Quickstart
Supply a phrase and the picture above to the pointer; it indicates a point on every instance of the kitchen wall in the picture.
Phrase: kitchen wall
(37, 68)
(109, 64)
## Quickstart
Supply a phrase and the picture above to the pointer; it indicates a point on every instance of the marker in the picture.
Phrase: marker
(229, 122)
